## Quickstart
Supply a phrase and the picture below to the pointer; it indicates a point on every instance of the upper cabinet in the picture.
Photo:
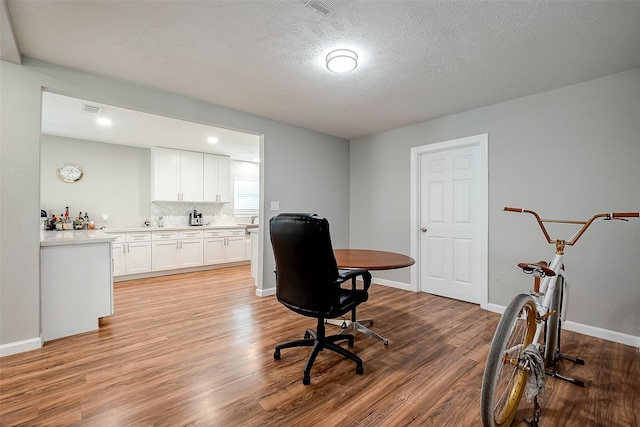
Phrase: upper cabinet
(217, 178)
(188, 176)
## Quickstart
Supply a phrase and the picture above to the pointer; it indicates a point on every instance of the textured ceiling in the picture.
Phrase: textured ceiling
(418, 59)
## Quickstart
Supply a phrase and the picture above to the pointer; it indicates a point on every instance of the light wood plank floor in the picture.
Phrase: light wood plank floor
(197, 350)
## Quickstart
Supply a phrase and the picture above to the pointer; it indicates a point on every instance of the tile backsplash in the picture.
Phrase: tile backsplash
(177, 213)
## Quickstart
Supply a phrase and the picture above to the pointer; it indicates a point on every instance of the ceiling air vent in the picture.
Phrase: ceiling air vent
(93, 109)
(326, 7)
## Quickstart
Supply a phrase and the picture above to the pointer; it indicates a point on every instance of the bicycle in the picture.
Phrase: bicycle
(526, 343)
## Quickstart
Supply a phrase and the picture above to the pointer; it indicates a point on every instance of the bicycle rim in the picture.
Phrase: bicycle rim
(504, 377)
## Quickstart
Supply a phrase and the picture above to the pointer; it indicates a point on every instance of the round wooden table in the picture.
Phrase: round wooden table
(367, 259)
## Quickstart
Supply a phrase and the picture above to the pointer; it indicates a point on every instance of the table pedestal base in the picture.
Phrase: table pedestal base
(357, 326)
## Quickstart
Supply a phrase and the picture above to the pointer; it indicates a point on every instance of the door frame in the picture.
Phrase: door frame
(481, 140)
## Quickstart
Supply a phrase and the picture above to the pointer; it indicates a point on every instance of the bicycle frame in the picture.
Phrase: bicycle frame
(544, 304)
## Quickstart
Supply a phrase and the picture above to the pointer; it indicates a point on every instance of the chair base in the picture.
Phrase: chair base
(357, 326)
(319, 341)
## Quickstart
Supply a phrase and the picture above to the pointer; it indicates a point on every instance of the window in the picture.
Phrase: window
(246, 197)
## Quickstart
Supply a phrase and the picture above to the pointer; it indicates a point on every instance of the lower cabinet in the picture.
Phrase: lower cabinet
(225, 245)
(174, 249)
(154, 250)
(132, 253)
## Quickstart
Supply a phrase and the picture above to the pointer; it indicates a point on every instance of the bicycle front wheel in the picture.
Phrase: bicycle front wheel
(505, 376)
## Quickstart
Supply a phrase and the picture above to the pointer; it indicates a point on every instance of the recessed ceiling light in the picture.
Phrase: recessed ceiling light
(212, 140)
(103, 121)
(342, 61)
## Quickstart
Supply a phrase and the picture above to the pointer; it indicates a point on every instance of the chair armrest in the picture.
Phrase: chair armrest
(353, 274)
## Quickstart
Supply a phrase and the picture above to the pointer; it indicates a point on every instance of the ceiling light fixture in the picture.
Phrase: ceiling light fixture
(342, 61)
(103, 121)
(212, 140)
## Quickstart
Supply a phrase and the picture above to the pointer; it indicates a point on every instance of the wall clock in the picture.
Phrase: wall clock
(70, 172)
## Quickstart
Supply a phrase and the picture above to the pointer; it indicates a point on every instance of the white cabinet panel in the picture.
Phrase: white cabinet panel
(176, 175)
(131, 253)
(214, 250)
(236, 249)
(176, 249)
(165, 174)
(76, 288)
(191, 176)
(222, 246)
(190, 253)
(164, 255)
(217, 178)
(138, 257)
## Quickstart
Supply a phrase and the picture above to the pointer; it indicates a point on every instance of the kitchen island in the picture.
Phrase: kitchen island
(76, 281)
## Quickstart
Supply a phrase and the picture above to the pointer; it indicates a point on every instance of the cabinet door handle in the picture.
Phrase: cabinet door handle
(128, 248)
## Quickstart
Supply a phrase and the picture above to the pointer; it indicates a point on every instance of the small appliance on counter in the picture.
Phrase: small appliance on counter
(195, 218)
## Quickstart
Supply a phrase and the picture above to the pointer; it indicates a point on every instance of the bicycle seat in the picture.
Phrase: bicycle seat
(537, 268)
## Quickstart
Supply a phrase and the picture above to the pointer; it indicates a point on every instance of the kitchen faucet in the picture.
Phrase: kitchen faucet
(253, 218)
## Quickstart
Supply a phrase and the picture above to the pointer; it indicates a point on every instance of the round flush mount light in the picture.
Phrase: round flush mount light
(342, 61)
(212, 140)
(103, 121)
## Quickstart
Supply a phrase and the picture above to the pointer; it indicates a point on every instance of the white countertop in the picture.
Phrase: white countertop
(172, 228)
(73, 237)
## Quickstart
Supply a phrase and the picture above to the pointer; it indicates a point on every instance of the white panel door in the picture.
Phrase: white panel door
(450, 221)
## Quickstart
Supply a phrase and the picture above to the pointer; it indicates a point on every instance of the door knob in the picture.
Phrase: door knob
(423, 229)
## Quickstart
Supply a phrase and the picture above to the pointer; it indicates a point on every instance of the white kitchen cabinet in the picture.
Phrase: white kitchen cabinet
(217, 178)
(176, 175)
(175, 249)
(224, 245)
(131, 253)
(190, 250)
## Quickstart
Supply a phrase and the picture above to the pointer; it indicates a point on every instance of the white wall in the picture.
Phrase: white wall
(116, 180)
(567, 153)
(303, 170)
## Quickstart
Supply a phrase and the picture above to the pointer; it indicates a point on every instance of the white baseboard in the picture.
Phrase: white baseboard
(20, 346)
(265, 292)
(392, 284)
(592, 331)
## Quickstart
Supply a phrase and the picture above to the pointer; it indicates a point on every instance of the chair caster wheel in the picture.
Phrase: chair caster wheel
(350, 342)
(307, 336)
(359, 370)
(276, 354)
(306, 380)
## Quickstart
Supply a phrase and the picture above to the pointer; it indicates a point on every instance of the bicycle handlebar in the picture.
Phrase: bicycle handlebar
(585, 224)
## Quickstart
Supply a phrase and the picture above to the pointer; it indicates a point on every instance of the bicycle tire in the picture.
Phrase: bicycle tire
(504, 381)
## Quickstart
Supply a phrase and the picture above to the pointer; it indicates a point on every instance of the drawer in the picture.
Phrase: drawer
(196, 234)
(120, 237)
(215, 233)
(139, 237)
(165, 235)
(236, 232)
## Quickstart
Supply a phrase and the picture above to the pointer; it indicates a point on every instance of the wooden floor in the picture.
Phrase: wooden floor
(197, 350)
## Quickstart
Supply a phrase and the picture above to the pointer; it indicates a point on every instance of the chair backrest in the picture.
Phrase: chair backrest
(306, 268)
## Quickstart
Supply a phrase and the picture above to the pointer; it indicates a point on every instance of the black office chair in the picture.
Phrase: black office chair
(309, 283)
